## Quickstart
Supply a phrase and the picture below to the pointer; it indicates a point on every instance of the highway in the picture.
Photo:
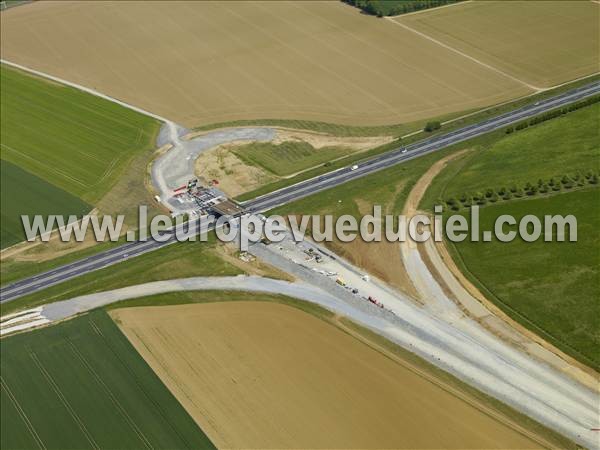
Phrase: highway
(288, 194)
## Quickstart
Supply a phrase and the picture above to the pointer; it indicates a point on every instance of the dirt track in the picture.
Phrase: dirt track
(201, 62)
(264, 375)
(437, 261)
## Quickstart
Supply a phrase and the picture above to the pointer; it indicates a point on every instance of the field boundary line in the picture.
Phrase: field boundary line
(84, 89)
(22, 414)
(431, 9)
(465, 55)
(64, 401)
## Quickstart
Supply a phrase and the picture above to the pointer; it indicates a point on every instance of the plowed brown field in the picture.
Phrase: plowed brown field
(202, 62)
(266, 375)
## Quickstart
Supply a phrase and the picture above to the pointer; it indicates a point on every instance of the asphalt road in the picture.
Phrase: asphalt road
(266, 202)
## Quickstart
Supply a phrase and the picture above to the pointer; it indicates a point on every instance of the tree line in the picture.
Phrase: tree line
(382, 8)
(542, 187)
(553, 114)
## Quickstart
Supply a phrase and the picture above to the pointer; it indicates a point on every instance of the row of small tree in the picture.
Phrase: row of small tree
(553, 114)
(529, 189)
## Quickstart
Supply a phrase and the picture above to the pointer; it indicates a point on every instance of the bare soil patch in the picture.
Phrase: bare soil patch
(230, 254)
(237, 177)
(266, 375)
(321, 140)
(381, 259)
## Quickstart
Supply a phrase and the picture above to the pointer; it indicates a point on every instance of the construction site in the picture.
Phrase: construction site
(245, 111)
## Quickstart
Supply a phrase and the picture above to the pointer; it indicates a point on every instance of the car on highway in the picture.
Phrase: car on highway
(354, 167)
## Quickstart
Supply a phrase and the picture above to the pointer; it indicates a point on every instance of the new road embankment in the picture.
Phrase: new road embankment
(305, 188)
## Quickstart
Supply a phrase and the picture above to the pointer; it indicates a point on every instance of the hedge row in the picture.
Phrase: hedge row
(492, 195)
(553, 114)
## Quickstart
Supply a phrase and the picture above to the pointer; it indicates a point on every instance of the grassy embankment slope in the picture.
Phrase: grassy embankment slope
(179, 260)
(76, 142)
(563, 145)
(81, 384)
(552, 288)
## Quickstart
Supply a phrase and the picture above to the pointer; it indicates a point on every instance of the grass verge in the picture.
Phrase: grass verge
(179, 260)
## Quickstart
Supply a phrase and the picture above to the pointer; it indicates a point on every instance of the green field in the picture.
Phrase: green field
(566, 145)
(73, 140)
(24, 193)
(552, 288)
(179, 260)
(81, 384)
(288, 157)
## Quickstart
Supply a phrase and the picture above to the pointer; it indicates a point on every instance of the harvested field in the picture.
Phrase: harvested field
(202, 62)
(540, 42)
(266, 375)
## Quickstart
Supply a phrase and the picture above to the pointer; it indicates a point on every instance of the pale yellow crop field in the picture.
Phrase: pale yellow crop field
(543, 43)
(205, 62)
(266, 375)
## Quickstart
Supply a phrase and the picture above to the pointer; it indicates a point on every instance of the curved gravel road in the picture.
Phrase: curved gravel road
(176, 167)
(304, 291)
(461, 348)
